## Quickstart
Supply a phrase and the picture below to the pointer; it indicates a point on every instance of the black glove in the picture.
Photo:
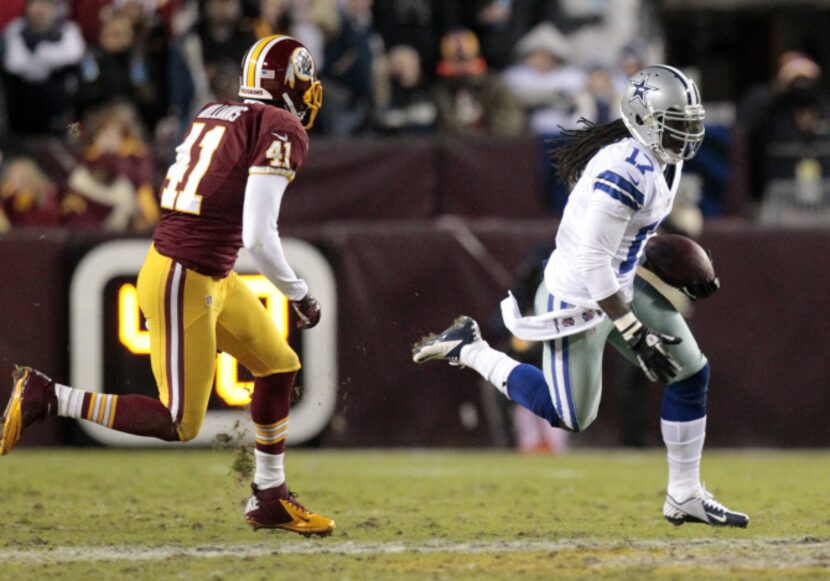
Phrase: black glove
(701, 289)
(649, 347)
(307, 310)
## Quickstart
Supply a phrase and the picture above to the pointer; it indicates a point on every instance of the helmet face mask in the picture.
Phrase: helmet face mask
(661, 107)
(280, 70)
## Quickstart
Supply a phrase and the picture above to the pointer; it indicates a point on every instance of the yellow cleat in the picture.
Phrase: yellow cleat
(33, 398)
(277, 508)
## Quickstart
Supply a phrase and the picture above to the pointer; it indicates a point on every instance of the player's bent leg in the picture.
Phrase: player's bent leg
(181, 307)
(272, 504)
(656, 312)
(461, 345)
(572, 368)
(527, 387)
(683, 416)
(245, 330)
(36, 396)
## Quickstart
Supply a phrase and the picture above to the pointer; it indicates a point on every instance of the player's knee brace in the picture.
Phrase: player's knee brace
(527, 387)
(685, 400)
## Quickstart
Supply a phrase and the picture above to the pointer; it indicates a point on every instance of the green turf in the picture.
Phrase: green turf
(407, 514)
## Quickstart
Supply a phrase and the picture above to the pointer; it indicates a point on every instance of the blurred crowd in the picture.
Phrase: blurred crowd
(106, 87)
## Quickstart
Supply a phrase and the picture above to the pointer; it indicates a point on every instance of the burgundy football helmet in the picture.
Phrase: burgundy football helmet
(279, 69)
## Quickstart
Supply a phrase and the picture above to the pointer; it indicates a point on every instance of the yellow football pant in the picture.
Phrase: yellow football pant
(190, 316)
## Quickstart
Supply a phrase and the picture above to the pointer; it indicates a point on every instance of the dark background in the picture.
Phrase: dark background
(434, 229)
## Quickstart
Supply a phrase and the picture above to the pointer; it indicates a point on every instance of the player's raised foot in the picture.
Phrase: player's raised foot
(277, 508)
(702, 508)
(447, 345)
(33, 398)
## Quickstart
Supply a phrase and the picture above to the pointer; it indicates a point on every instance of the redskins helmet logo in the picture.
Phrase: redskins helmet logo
(300, 66)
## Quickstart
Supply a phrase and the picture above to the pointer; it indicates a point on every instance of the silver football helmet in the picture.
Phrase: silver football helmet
(661, 108)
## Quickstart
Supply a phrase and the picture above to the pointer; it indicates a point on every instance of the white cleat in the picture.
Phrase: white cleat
(448, 344)
(702, 508)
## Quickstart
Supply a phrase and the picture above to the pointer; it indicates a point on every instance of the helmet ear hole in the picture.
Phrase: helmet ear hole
(639, 120)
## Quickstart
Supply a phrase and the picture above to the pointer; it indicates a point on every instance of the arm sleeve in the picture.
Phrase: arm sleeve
(602, 234)
(263, 197)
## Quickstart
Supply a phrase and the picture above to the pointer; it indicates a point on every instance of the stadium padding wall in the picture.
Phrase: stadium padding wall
(765, 332)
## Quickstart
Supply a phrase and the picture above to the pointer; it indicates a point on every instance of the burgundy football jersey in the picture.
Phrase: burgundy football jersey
(204, 191)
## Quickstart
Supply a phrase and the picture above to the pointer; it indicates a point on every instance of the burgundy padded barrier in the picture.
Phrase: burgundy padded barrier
(365, 180)
(34, 313)
(764, 333)
(486, 177)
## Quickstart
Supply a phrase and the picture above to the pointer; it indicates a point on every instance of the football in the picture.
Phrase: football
(678, 260)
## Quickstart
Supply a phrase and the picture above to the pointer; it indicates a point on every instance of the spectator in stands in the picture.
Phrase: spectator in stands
(111, 188)
(544, 81)
(118, 68)
(349, 74)
(27, 196)
(471, 100)
(404, 104)
(631, 59)
(274, 18)
(222, 36)
(787, 127)
(598, 101)
(42, 51)
(415, 23)
(309, 21)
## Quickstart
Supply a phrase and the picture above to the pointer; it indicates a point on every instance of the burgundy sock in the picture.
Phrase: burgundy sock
(270, 403)
(134, 414)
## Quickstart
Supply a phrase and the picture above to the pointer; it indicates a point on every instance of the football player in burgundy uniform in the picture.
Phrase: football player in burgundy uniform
(223, 192)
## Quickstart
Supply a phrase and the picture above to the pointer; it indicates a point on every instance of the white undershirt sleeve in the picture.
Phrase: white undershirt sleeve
(263, 197)
(601, 237)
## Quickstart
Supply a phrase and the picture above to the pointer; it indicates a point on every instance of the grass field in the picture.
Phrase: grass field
(103, 514)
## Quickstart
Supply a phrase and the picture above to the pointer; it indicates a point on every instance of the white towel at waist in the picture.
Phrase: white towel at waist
(551, 325)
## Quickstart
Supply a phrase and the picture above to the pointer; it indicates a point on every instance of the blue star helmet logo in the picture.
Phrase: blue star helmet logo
(641, 89)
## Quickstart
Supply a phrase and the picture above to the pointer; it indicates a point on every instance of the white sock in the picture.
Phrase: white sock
(684, 443)
(70, 401)
(270, 470)
(494, 366)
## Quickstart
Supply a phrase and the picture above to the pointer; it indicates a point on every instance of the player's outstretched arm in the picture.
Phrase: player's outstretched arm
(260, 236)
(648, 345)
(603, 232)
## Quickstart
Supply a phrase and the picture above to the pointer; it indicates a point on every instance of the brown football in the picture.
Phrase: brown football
(678, 260)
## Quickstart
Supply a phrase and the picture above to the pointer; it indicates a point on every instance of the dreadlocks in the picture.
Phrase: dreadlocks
(578, 146)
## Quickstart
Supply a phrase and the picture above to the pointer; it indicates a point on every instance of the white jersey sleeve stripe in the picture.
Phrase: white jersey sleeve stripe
(623, 184)
(618, 195)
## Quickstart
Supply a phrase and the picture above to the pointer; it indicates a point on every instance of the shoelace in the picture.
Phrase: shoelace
(292, 498)
(710, 502)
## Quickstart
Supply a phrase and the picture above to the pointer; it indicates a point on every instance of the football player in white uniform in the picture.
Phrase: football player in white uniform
(626, 175)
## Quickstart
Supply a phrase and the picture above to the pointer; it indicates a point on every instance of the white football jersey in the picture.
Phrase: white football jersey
(623, 180)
